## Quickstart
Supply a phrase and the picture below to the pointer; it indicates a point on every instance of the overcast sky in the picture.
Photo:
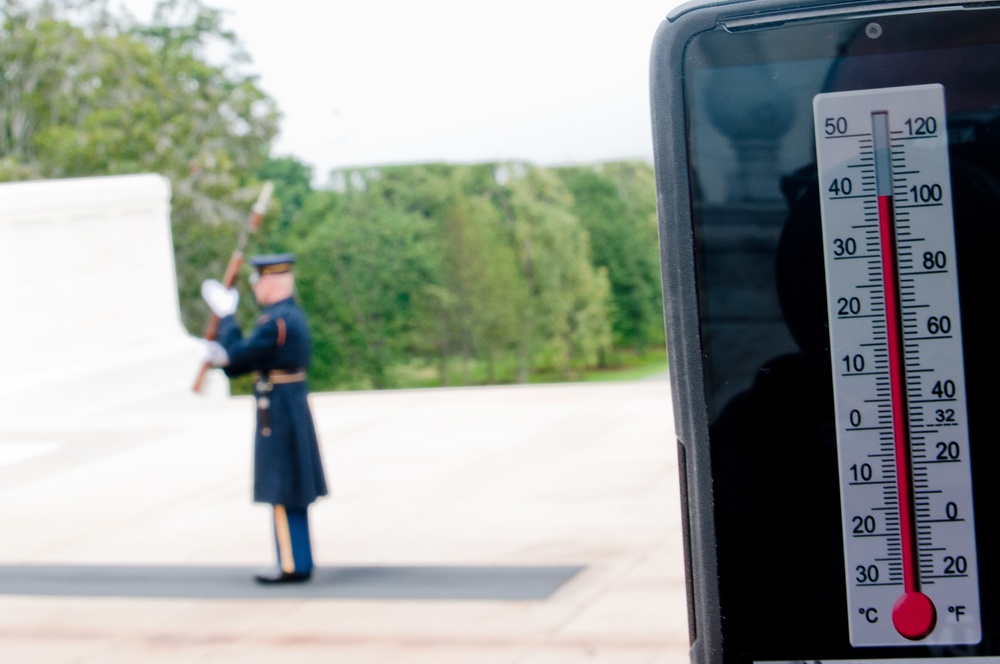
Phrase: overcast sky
(390, 81)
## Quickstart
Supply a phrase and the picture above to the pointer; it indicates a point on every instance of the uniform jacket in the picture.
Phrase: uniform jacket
(288, 469)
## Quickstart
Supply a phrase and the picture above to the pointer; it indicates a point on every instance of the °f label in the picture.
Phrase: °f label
(898, 372)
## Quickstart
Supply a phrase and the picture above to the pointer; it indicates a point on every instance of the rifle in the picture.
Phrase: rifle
(233, 269)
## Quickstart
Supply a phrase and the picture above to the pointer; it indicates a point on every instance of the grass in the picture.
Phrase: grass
(648, 364)
(624, 365)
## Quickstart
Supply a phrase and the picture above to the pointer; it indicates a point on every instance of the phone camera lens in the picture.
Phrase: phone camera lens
(873, 30)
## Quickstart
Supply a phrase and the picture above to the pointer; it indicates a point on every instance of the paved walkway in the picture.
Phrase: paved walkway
(520, 525)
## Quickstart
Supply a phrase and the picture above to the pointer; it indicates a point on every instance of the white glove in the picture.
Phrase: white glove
(214, 353)
(221, 300)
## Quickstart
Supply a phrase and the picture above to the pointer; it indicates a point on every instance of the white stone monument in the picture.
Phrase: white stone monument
(90, 313)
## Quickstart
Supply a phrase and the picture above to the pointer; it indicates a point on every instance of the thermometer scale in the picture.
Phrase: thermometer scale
(898, 372)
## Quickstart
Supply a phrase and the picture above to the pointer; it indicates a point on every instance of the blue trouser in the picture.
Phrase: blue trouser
(291, 538)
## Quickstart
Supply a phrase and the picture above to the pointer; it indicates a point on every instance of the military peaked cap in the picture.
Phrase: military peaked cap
(273, 263)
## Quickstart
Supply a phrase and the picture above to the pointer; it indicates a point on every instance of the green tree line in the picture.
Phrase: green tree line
(443, 273)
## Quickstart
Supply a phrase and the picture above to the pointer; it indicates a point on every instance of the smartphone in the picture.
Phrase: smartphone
(828, 181)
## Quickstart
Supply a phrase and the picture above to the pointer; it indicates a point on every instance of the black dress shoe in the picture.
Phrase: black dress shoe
(282, 577)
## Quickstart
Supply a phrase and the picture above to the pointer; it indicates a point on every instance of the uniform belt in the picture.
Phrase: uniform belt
(280, 377)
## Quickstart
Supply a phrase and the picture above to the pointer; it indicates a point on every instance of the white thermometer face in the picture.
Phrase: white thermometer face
(899, 382)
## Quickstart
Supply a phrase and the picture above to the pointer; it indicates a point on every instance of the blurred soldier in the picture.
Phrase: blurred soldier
(288, 470)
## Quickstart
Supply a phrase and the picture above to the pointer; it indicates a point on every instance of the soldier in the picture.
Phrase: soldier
(288, 470)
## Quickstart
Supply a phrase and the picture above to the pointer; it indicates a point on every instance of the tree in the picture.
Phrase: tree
(616, 203)
(85, 92)
(466, 303)
(485, 292)
(292, 186)
(445, 263)
(565, 320)
(362, 269)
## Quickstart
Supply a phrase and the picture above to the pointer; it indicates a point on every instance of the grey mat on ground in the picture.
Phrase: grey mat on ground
(376, 582)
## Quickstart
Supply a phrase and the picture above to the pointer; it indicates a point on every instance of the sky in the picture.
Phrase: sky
(375, 82)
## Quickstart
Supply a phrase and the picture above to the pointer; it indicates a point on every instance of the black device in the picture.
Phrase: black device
(828, 181)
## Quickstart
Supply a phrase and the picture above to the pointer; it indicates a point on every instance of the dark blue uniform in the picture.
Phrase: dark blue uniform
(288, 469)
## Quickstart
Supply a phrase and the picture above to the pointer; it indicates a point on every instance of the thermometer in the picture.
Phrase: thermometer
(898, 372)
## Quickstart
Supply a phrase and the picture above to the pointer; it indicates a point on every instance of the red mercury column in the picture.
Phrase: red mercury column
(913, 614)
